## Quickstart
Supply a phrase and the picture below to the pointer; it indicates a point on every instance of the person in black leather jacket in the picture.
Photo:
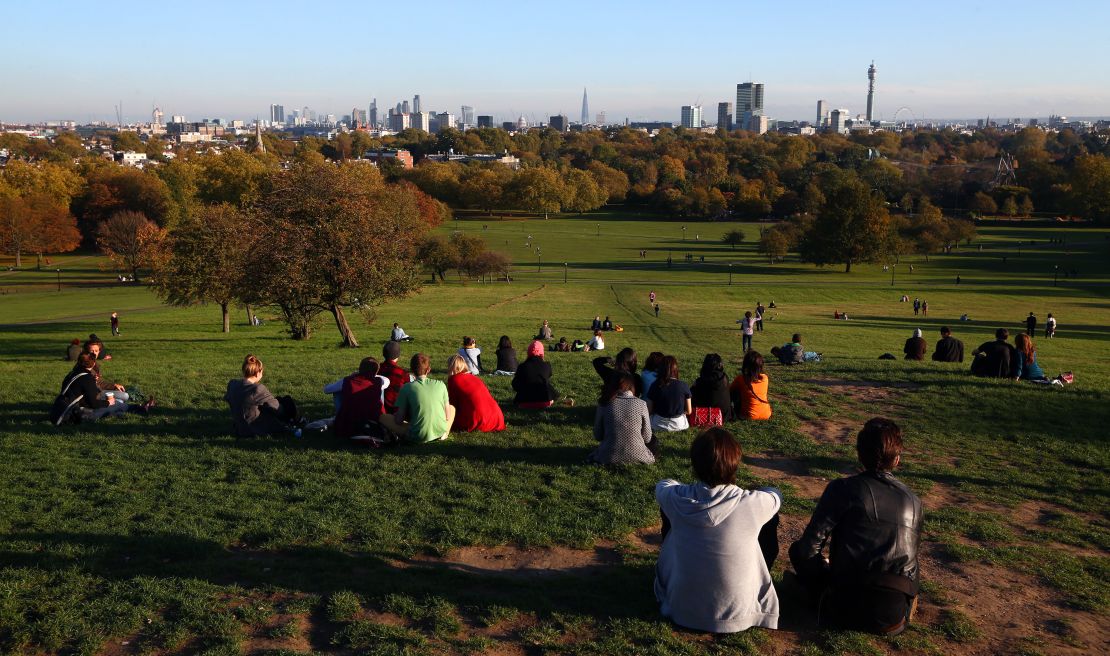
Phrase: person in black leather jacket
(871, 524)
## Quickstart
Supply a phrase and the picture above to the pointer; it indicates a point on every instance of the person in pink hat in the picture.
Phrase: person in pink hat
(532, 382)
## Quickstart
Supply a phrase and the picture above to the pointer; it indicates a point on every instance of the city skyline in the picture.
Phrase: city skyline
(636, 70)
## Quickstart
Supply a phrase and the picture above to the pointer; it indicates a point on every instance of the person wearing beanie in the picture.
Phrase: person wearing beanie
(915, 346)
(532, 382)
(394, 373)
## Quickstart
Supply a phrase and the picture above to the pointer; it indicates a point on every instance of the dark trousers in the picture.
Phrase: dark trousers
(870, 607)
(747, 343)
(286, 417)
(759, 325)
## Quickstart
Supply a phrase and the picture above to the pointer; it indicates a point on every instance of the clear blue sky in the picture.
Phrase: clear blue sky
(643, 60)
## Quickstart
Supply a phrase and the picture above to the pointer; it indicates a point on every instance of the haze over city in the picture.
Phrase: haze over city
(639, 61)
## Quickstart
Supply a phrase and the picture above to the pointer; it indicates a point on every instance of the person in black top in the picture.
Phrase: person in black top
(596, 325)
(710, 390)
(606, 325)
(871, 525)
(995, 359)
(1031, 324)
(915, 346)
(81, 399)
(626, 362)
(506, 356)
(949, 349)
(669, 399)
(532, 382)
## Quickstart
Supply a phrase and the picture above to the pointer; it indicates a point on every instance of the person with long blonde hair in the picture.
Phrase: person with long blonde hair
(475, 407)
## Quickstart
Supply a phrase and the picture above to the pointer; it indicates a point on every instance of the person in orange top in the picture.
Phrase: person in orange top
(749, 389)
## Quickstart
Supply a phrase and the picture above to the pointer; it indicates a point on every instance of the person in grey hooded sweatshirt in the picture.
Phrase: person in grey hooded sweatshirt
(719, 542)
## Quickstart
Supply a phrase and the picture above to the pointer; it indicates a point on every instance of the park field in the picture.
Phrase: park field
(165, 535)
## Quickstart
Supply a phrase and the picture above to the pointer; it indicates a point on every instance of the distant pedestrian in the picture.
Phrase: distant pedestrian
(916, 306)
(1050, 326)
(747, 327)
(957, 279)
(759, 310)
(1031, 324)
(656, 310)
(924, 308)
(651, 297)
(115, 324)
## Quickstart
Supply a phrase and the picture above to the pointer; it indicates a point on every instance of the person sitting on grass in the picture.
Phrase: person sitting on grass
(596, 325)
(362, 401)
(394, 373)
(255, 412)
(719, 543)
(545, 332)
(472, 355)
(1026, 352)
(506, 357)
(399, 334)
(532, 382)
(81, 400)
(949, 349)
(562, 346)
(790, 353)
(96, 347)
(622, 424)
(475, 408)
(710, 395)
(915, 346)
(995, 359)
(871, 525)
(669, 399)
(651, 372)
(607, 324)
(625, 362)
(73, 350)
(749, 390)
(597, 343)
(424, 413)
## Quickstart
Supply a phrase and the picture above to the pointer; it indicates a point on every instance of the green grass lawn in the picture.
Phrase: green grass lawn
(166, 535)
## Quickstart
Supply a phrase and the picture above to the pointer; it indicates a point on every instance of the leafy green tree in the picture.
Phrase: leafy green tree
(332, 237)
(582, 193)
(437, 179)
(201, 260)
(235, 177)
(853, 227)
(612, 181)
(438, 254)
(775, 244)
(483, 187)
(130, 241)
(1009, 206)
(536, 190)
(1089, 188)
(733, 238)
(112, 189)
(128, 141)
(36, 224)
(983, 204)
(1025, 206)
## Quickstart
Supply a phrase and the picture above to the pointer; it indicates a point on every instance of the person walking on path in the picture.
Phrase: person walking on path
(651, 297)
(656, 310)
(759, 310)
(115, 324)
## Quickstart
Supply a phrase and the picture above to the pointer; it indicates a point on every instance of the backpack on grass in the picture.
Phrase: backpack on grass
(68, 403)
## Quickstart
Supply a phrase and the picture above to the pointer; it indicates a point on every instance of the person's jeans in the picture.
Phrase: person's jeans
(120, 395)
(117, 408)
(759, 325)
(747, 343)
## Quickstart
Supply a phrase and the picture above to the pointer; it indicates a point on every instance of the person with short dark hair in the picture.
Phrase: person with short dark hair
(625, 362)
(995, 359)
(749, 390)
(607, 324)
(669, 400)
(948, 349)
(394, 373)
(255, 411)
(562, 346)
(114, 323)
(747, 330)
(1050, 326)
(472, 355)
(915, 346)
(1031, 324)
(790, 353)
(871, 525)
(361, 401)
(759, 312)
(719, 543)
(424, 412)
(622, 424)
(399, 335)
(532, 382)
(709, 394)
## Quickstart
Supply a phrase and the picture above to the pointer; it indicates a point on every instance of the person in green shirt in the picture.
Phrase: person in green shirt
(424, 413)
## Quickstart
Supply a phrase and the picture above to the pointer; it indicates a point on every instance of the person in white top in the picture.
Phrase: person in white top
(399, 334)
(597, 343)
(747, 326)
(1050, 326)
(472, 355)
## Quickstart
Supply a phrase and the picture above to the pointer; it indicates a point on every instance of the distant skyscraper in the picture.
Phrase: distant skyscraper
(399, 121)
(870, 91)
(838, 120)
(416, 104)
(749, 103)
(421, 121)
(406, 108)
(691, 116)
(585, 108)
(560, 123)
(485, 121)
(724, 116)
(372, 115)
(446, 120)
(822, 115)
(277, 114)
(601, 118)
(468, 116)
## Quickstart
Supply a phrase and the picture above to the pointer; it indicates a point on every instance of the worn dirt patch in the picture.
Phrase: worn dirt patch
(791, 471)
(514, 561)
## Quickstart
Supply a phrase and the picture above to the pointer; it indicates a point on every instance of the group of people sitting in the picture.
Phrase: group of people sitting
(86, 395)
(994, 359)
(856, 559)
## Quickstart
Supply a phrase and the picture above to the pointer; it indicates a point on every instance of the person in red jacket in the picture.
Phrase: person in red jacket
(475, 408)
(361, 398)
(394, 373)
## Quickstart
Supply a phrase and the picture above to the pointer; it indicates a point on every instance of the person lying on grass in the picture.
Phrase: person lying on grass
(871, 525)
(424, 413)
(255, 411)
(719, 543)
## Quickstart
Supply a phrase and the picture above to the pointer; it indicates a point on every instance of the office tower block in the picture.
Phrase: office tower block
(691, 116)
(724, 116)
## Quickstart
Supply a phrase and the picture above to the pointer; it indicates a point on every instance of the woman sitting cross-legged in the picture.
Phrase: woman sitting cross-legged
(712, 406)
(506, 357)
(749, 389)
(475, 408)
(532, 382)
(669, 399)
(622, 425)
(255, 411)
(719, 542)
